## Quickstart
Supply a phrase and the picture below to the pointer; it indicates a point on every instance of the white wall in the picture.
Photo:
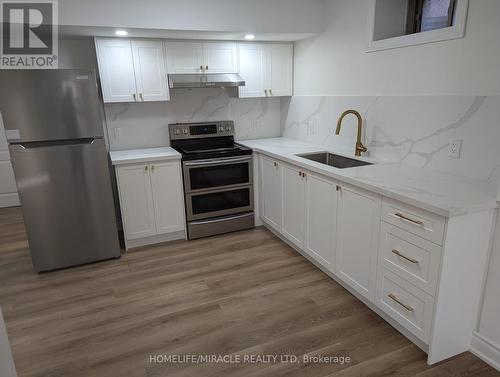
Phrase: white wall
(335, 63)
(263, 16)
(414, 98)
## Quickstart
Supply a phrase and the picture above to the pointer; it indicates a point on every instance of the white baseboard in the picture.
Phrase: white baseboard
(9, 200)
(486, 350)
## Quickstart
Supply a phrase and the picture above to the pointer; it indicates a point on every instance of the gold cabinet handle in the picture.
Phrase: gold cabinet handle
(265, 91)
(393, 297)
(146, 168)
(135, 96)
(398, 253)
(270, 92)
(140, 95)
(206, 67)
(201, 67)
(401, 216)
(152, 168)
(339, 188)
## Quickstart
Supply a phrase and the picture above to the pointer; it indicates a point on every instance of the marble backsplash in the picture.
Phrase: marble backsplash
(414, 130)
(145, 125)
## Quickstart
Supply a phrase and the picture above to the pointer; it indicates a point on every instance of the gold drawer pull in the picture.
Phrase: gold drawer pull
(398, 253)
(395, 299)
(401, 216)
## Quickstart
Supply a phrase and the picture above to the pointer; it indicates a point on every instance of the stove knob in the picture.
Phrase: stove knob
(177, 131)
(228, 128)
(186, 131)
(221, 128)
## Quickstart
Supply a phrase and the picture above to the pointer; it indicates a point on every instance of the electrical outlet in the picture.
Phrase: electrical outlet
(117, 131)
(256, 123)
(455, 148)
(310, 127)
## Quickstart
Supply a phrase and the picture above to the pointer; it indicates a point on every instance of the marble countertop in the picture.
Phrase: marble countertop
(144, 155)
(438, 192)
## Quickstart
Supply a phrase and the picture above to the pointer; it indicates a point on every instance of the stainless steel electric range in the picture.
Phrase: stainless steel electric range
(218, 178)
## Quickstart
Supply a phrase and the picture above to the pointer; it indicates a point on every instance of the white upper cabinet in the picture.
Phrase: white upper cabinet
(357, 239)
(280, 69)
(202, 57)
(253, 67)
(132, 71)
(294, 204)
(185, 57)
(116, 68)
(220, 57)
(267, 69)
(150, 73)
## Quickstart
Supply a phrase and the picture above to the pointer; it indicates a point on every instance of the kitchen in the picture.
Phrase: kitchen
(279, 189)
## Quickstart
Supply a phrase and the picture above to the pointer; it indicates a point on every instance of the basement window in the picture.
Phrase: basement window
(401, 23)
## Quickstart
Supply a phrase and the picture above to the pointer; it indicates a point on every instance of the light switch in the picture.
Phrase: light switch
(455, 148)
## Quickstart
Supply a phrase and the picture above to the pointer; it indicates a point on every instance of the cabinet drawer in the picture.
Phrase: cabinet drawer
(417, 221)
(406, 304)
(411, 257)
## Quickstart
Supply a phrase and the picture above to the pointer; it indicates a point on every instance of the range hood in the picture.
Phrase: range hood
(209, 80)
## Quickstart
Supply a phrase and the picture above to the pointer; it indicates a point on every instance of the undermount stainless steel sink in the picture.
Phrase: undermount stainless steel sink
(334, 160)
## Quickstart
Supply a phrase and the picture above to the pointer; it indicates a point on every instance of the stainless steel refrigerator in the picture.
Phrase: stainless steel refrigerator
(53, 123)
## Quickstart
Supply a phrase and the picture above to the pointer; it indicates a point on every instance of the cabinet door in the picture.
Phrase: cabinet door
(280, 69)
(167, 196)
(252, 61)
(116, 70)
(184, 57)
(136, 201)
(294, 206)
(321, 219)
(358, 225)
(271, 192)
(150, 73)
(220, 57)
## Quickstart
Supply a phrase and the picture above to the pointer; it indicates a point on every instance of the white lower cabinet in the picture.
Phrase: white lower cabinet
(270, 188)
(294, 204)
(321, 219)
(415, 268)
(357, 239)
(151, 202)
(136, 201)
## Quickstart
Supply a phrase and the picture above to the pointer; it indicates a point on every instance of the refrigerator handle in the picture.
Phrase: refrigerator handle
(41, 144)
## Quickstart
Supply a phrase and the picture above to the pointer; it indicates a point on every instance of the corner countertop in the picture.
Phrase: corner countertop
(441, 193)
(132, 156)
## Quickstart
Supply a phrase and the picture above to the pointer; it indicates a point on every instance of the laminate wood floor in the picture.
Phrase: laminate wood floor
(244, 293)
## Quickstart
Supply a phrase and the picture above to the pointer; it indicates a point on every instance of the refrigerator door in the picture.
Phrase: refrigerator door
(67, 203)
(50, 105)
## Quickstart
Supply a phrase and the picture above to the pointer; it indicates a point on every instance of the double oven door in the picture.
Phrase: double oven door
(218, 187)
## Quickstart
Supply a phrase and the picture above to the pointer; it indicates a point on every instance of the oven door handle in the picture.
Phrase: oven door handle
(217, 161)
(202, 222)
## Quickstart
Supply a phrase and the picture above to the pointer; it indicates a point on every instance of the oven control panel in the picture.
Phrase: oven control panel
(201, 130)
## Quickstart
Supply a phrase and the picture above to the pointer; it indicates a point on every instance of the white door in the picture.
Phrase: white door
(136, 201)
(280, 69)
(294, 204)
(321, 219)
(150, 72)
(168, 199)
(271, 192)
(220, 57)
(116, 70)
(358, 225)
(184, 57)
(252, 61)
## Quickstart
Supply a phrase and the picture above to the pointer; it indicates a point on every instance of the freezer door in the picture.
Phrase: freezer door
(50, 105)
(67, 203)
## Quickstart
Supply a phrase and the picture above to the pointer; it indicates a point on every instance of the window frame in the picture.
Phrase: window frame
(457, 30)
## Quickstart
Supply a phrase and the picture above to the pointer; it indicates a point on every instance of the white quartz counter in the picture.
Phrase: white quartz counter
(144, 155)
(438, 192)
